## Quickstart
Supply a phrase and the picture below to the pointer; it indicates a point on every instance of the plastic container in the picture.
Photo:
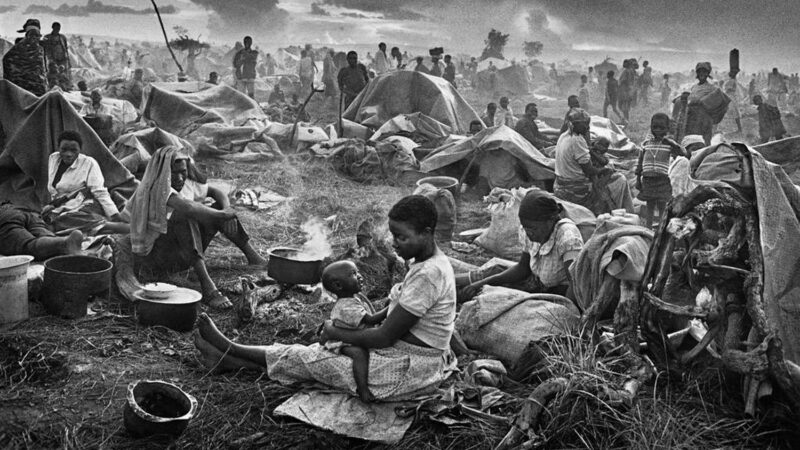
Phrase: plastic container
(14, 286)
(69, 281)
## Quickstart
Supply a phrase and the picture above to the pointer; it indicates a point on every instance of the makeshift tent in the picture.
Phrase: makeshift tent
(416, 123)
(134, 149)
(512, 80)
(488, 141)
(406, 92)
(122, 111)
(181, 113)
(30, 127)
(81, 57)
(785, 153)
(499, 63)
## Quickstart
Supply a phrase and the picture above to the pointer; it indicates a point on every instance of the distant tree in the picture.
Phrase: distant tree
(532, 49)
(495, 43)
(192, 47)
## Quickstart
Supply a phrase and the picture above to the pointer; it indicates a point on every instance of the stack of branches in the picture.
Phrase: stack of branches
(710, 239)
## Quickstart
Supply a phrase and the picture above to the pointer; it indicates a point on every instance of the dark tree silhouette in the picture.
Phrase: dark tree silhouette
(495, 43)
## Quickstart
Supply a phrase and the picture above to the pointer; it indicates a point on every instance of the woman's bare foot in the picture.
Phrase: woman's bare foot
(211, 334)
(217, 361)
(365, 395)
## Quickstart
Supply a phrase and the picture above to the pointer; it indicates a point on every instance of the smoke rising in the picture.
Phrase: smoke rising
(317, 245)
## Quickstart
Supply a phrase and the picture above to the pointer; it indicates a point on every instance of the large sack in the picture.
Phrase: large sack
(502, 321)
(445, 207)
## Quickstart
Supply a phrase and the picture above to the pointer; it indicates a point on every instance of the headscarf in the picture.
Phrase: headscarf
(147, 208)
(704, 65)
(539, 205)
(691, 139)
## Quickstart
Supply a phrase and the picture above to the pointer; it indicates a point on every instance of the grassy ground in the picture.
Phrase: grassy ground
(63, 382)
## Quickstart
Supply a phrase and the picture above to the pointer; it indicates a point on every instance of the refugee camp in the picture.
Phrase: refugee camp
(364, 224)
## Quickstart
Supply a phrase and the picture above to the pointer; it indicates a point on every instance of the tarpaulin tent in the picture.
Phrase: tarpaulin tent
(512, 79)
(30, 128)
(495, 139)
(134, 149)
(413, 123)
(181, 113)
(406, 92)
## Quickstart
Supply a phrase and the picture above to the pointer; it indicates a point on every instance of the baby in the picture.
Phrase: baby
(352, 311)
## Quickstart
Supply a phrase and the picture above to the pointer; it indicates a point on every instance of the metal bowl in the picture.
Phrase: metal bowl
(154, 408)
(158, 291)
(178, 311)
(285, 268)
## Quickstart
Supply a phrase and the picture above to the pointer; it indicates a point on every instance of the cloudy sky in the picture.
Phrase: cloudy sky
(673, 33)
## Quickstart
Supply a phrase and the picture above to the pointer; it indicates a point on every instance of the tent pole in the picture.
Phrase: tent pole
(160, 22)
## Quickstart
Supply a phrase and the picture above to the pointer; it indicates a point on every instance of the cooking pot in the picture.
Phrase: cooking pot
(286, 268)
(177, 311)
(155, 408)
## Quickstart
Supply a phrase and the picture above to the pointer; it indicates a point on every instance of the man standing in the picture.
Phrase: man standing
(436, 67)
(136, 88)
(244, 65)
(55, 48)
(352, 79)
(24, 63)
(526, 126)
(305, 70)
(270, 63)
(776, 87)
(381, 60)
(329, 74)
(449, 70)
(645, 83)
(731, 88)
(612, 93)
(770, 124)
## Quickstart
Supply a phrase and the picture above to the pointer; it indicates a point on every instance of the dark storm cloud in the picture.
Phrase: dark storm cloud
(5, 9)
(317, 10)
(230, 15)
(92, 7)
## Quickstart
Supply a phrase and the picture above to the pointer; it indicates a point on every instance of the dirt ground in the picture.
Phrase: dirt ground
(63, 382)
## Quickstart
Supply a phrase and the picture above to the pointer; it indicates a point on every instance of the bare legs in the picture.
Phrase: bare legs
(650, 209)
(219, 352)
(360, 357)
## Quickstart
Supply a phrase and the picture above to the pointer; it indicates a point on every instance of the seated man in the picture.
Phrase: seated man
(98, 116)
(526, 126)
(577, 181)
(22, 232)
(79, 198)
(171, 229)
(276, 96)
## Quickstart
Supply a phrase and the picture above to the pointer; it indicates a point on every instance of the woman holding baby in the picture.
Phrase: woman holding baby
(405, 355)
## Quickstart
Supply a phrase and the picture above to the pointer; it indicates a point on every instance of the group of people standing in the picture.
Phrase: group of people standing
(37, 63)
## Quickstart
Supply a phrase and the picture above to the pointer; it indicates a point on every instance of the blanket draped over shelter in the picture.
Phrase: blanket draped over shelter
(29, 134)
(627, 244)
(406, 92)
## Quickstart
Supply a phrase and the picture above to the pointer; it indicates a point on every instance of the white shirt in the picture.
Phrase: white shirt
(83, 173)
(90, 110)
(192, 191)
(504, 117)
(381, 63)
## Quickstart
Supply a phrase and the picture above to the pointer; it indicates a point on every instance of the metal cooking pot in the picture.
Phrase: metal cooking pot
(154, 408)
(178, 311)
(285, 269)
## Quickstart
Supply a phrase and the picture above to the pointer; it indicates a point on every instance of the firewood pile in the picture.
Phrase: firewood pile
(710, 240)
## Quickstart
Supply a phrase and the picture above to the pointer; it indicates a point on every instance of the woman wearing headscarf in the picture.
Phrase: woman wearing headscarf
(552, 243)
(170, 228)
(707, 104)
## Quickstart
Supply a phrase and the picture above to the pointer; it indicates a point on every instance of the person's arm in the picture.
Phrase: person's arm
(396, 325)
(676, 149)
(639, 169)
(96, 184)
(377, 318)
(198, 211)
(518, 272)
(219, 197)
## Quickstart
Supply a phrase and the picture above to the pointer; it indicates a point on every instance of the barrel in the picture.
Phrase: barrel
(14, 288)
(69, 282)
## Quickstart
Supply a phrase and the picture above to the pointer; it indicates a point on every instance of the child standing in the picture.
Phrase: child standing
(770, 124)
(352, 311)
(652, 177)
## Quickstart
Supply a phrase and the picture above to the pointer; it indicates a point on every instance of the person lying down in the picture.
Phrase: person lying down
(352, 311)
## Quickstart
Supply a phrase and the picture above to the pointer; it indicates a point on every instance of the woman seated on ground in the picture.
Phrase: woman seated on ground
(171, 228)
(79, 198)
(409, 352)
(551, 245)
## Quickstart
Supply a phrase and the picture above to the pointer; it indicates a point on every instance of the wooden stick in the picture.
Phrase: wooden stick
(707, 339)
(626, 317)
(685, 311)
(160, 22)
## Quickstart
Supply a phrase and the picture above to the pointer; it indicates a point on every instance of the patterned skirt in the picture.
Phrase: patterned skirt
(400, 372)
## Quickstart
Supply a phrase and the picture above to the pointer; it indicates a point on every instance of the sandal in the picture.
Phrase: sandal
(216, 300)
